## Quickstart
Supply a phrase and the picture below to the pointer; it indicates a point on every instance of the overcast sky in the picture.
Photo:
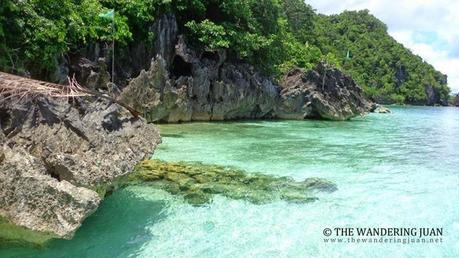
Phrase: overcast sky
(430, 28)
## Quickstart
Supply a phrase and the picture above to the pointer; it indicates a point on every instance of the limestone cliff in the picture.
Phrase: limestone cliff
(189, 84)
(205, 86)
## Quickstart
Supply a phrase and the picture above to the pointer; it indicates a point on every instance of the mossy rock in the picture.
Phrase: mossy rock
(197, 198)
(11, 234)
(198, 182)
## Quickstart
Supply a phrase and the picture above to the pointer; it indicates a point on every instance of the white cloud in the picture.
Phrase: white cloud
(428, 27)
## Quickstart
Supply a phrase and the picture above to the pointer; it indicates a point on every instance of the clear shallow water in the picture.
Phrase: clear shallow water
(397, 170)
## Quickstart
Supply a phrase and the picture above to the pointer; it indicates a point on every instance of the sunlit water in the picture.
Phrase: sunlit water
(396, 170)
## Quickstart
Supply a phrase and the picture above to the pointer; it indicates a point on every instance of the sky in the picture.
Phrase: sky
(430, 28)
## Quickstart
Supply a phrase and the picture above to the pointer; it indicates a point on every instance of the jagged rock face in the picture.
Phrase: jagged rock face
(200, 88)
(93, 75)
(400, 76)
(92, 65)
(204, 86)
(54, 155)
(321, 93)
(183, 84)
(166, 31)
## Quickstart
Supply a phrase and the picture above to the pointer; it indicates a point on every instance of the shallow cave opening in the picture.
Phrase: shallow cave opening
(180, 68)
(54, 175)
(5, 121)
(4, 117)
(212, 56)
(58, 171)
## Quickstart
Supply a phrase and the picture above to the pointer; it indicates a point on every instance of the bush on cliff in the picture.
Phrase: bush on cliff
(274, 35)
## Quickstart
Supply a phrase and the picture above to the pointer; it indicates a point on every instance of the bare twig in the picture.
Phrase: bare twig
(24, 89)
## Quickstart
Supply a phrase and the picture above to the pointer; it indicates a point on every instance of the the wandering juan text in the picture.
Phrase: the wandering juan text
(389, 232)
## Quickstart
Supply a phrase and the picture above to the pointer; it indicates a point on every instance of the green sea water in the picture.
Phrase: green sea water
(392, 170)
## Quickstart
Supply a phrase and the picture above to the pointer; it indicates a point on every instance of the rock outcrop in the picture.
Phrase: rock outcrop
(323, 92)
(432, 95)
(456, 100)
(57, 159)
(205, 86)
(200, 87)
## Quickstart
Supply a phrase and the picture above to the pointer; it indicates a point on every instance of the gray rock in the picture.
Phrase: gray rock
(31, 198)
(200, 89)
(432, 95)
(166, 30)
(209, 88)
(55, 155)
(93, 75)
(184, 84)
(456, 100)
(324, 92)
(381, 109)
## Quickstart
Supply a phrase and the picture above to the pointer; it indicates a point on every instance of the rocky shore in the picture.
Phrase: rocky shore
(59, 157)
(173, 81)
(57, 160)
(183, 84)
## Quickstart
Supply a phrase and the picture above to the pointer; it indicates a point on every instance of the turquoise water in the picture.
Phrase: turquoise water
(396, 170)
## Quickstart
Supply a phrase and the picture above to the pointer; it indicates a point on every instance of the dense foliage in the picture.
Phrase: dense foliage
(274, 35)
(34, 34)
(387, 70)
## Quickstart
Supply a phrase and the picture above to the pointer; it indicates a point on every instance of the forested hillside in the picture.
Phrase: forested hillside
(275, 36)
(387, 70)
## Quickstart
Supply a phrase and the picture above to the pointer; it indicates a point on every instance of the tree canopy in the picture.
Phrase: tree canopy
(274, 35)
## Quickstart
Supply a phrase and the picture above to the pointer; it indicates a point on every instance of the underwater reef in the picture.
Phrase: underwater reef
(198, 183)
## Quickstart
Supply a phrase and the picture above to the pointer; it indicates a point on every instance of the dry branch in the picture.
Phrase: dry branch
(24, 89)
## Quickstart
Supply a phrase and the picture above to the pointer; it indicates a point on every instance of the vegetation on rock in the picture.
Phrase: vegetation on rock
(275, 35)
(197, 183)
(17, 235)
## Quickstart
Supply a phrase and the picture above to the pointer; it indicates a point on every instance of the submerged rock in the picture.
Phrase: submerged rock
(56, 160)
(197, 183)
